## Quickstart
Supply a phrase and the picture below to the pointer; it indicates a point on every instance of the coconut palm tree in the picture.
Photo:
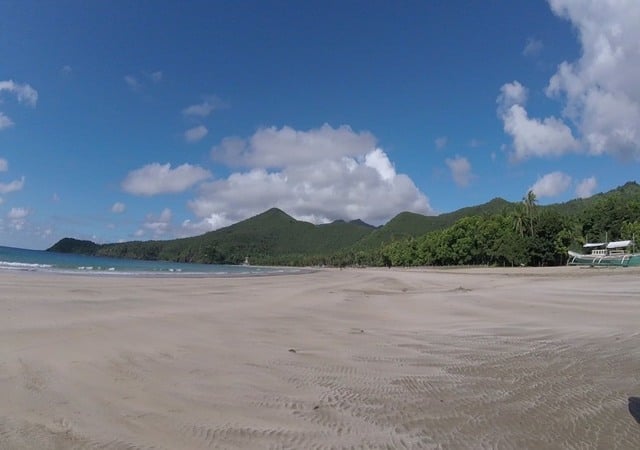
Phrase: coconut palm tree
(529, 202)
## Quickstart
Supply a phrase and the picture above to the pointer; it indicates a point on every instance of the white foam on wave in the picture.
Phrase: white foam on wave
(19, 265)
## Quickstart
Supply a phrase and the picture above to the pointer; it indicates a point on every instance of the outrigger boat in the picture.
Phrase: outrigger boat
(617, 253)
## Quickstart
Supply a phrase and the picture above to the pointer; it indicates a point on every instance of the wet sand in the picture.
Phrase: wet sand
(474, 358)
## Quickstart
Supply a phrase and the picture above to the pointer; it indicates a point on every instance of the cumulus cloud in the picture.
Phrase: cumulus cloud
(551, 184)
(460, 170)
(203, 109)
(441, 142)
(532, 137)
(118, 208)
(600, 91)
(195, 134)
(511, 94)
(586, 188)
(13, 186)
(156, 178)
(317, 175)
(4, 165)
(285, 147)
(533, 47)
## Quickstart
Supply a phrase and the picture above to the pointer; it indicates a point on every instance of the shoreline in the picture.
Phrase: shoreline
(560, 271)
(375, 358)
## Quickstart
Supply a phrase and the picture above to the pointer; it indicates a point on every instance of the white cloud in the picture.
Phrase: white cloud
(208, 105)
(118, 208)
(5, 121)
(156, 178)
(195, 134)
(17, 213)
(534, 137)
(586, 188)
(441, 142)
(66, 70)
(132, 82)
(141, 82)
(13, 186)
(378, 160)
(511, 94)
(317, 175)
(17, 217)
(4, 165)
(551, 184)
(600, 91)
(23, 92)
(531, 137)
(156, 225)
(285, 147)
(460, 170)
(533, 47)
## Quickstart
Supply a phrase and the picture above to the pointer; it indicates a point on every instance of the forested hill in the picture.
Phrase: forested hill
(408, 224)
(272, 237)
(276, 238)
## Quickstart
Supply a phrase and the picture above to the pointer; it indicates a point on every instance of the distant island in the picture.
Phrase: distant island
(494, 233)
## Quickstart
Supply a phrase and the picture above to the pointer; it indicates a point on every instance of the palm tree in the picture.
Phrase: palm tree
(529, 202)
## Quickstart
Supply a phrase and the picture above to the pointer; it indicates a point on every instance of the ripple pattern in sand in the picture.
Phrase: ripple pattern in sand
(467, 392)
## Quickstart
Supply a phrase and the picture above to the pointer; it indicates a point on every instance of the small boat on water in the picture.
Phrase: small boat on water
(616, 253)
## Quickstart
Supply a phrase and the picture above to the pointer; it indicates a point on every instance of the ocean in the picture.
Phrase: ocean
(41, 261)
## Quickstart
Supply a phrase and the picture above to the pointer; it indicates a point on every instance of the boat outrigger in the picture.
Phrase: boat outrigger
(617, 253)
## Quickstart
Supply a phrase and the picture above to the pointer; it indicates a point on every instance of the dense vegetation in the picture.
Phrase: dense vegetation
(496, 233)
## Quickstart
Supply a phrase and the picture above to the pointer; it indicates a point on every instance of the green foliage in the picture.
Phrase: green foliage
(496, 233)
(408, 224)
(70, 245)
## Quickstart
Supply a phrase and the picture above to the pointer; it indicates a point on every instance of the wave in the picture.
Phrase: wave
(20, 265)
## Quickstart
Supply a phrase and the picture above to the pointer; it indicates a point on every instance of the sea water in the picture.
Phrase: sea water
(43, 261)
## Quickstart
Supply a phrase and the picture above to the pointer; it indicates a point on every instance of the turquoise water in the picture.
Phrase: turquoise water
(41, 261)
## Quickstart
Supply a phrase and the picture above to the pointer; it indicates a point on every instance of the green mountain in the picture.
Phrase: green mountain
(408, 224)
(628, 191)
(276, 238)
(272, 237)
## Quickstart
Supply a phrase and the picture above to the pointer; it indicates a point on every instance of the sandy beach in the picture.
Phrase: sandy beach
(358, 358)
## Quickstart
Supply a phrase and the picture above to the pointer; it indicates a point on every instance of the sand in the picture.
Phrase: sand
(358, 358)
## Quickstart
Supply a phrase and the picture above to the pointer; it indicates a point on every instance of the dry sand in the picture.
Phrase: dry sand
(521, 358)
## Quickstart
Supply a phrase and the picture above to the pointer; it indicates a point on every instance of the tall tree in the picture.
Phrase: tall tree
(529, 202)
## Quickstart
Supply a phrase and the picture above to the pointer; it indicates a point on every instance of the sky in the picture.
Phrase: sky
(137, 120)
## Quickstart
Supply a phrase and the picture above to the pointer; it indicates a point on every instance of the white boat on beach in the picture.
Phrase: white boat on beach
(616, 253)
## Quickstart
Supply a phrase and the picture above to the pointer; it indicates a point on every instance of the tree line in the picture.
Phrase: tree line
(527, 235)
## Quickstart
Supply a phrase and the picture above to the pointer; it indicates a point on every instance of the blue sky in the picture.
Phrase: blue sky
(154, 119)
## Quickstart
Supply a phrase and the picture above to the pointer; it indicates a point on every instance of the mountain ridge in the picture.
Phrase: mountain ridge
(274, 236)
